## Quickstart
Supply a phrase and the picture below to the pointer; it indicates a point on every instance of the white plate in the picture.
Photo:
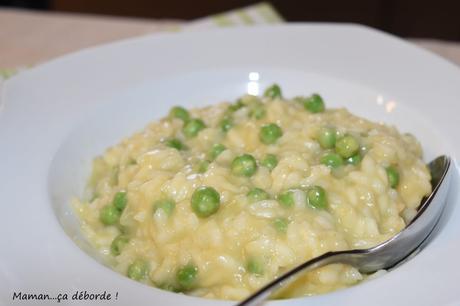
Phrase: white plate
(58, 116)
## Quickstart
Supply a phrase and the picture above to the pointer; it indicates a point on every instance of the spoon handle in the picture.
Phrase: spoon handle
(266, 291)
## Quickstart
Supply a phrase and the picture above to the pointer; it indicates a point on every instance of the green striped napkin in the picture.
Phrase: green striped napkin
(261, 13)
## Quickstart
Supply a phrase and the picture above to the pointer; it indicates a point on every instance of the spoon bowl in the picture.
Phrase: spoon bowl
(387, 254)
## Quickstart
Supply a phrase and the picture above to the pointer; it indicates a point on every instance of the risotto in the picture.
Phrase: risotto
(217, 201)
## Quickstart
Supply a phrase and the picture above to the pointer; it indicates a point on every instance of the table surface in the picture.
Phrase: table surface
(29, 37)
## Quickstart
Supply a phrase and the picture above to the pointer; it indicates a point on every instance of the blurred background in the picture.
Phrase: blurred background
(406, 18)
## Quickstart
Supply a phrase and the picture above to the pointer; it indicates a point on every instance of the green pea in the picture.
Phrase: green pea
(327, 138)
(316, 197)
(314, 104)
(273, 92)
(257, 112)
(254, 266)
(186, 276)
(175, 144)
(167, 205)
(236, 106)
(286, 199)
(244, 165)
(226, 124)
(332, 160)
(137, 270)
(216, 150)
(281, 225)
(193, 127)
(393, 176)
(257, 194)
(118, 244)
(354, 160)
(205, 201)
(120, 200)
(269, 133)
(109, 215)
(270, 161)
(347, 146)
(203, 166)
(180, 113)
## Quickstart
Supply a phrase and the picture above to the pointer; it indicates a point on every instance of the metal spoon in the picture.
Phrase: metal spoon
(387, 254)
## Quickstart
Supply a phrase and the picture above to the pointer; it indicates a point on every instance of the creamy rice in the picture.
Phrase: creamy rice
(246, 241)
